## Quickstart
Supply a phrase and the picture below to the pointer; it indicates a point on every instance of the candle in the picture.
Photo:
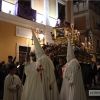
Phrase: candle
(72, 25)
(85, 39)
(37, 30)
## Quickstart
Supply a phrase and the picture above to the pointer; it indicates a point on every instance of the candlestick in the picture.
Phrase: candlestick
(72, 25)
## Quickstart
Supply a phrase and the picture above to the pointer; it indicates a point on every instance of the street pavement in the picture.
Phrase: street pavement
(97, 87)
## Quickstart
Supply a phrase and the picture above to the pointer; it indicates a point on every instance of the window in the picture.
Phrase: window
(8, 6)
(26, 3)
(61, 11)
(23, 53)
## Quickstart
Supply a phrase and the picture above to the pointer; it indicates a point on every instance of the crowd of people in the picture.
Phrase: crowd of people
(62, 73)
(59, 62)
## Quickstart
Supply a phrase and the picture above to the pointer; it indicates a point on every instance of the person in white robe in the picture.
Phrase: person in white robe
(42, 80)
(30, 72)
(72, 86)
(12, 85)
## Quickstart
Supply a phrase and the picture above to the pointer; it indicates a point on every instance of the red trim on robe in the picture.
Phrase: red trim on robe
(63, 68)
(40, 71)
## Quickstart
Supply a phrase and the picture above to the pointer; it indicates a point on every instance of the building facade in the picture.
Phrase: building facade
(15, 31)
(87, 20)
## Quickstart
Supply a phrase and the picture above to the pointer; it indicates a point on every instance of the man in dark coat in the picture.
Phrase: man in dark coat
(59, 72)
(93, 72)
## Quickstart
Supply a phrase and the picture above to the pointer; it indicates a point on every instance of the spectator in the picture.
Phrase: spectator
(59, 72)
(10, 58)
(51, 55)
(93, 73)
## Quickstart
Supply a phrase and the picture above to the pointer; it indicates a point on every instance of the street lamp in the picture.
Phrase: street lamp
(41, 36)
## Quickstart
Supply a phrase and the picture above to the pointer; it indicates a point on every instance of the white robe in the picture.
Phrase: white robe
(36, 88)
(30, 83)
(72, 86)
(10, 91)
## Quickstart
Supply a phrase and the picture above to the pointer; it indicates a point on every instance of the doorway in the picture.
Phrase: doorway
(24, 53)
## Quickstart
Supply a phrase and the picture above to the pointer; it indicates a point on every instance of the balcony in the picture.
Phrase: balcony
(24, 12)
(18, 10)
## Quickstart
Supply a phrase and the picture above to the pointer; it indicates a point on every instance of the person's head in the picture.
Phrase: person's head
(10, 58)
(46, 52)
(2, 63)
(32, 57)
(92, 62)
(12, 69)
(51, 55)
(61, 60)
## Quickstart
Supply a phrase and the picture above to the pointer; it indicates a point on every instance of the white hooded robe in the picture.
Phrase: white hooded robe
(42, 81)
(32, 83)
(72, 86)
(48, 78)
(37, 89)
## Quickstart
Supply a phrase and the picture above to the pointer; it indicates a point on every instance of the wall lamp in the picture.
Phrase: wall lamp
(40, 36)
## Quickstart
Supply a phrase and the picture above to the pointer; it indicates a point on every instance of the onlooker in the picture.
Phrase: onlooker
(51, 55)
(2, 77)
(98, 65)
(93, 73)
(98, 73)
(10, 58)
(12, 85)
(59, 72)
(32, 57)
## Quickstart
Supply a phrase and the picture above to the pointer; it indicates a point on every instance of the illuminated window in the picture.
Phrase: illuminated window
(8, 7)
(26, 3)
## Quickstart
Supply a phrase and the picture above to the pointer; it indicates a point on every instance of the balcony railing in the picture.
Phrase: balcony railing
(25, 12)
(18, 10)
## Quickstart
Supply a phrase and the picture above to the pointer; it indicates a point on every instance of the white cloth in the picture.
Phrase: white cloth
(10, 91)
(72, 86)
(37, 88)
